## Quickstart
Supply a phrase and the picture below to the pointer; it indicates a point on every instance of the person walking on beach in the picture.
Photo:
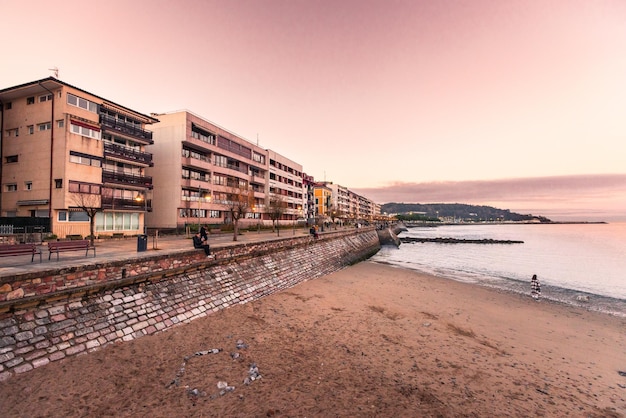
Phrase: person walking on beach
(535, 287)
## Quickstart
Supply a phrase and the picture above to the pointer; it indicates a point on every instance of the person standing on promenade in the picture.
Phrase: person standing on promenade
(535, 287)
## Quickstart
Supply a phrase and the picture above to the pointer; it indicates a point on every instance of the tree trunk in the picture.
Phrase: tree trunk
(235, 230)
(92, 221)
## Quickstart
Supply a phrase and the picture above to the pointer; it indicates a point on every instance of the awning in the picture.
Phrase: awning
(32, 202)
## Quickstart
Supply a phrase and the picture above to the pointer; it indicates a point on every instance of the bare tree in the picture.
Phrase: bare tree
(91, 204)
(334, 212)
(276, 207)
(240, 202)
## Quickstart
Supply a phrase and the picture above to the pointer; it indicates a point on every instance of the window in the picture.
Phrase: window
(220, 161)
(44, 126)
(220, 180)
(85, 159)
(13, 132)
(30, 100)
(11, 159)
(31, 129)
(9, 105)
(28, 185)
(78, 217)
(258, 158)
(87, 188)
(62, 216)
(60, 123)
(117, 221)
(85, 131)
(45, 98)
(202, 135)
(58, 183)
(82, 103)
(12, 187)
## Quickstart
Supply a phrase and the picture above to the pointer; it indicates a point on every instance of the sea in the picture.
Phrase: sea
(577, 264)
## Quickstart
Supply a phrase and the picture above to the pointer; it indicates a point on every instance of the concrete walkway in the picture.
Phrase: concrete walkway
(126, 248)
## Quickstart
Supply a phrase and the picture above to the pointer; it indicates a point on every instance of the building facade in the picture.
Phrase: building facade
(337, 202)
(286, 183)
(64, 150)
(197, 167)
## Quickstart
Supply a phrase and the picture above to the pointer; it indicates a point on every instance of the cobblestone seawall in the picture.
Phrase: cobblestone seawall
(65, 312)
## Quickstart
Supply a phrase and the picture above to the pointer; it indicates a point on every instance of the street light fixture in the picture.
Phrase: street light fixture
(207, 196)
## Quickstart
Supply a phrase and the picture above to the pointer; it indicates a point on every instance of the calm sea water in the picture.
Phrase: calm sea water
(578, 264)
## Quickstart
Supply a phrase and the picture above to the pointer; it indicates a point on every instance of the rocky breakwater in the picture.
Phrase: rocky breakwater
(441, 240)
(389, 235)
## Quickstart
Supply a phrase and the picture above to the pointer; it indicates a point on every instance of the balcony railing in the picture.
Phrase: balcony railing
(125, 204)
(133, 130)
(115, 177)
(119, 151)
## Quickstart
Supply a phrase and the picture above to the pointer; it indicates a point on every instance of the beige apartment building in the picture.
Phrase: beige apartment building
(344, 204)
(286, 183)
(64, 149)
(197, 167)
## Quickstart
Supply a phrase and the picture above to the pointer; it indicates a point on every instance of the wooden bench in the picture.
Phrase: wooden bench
(75, 245)
(20, 249)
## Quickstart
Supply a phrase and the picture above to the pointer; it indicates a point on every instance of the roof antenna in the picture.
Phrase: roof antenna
(55, 70)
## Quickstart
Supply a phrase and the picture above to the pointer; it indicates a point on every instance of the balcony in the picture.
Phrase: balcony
(196, 184)
(196, 163)
(126, 179)
(111, 203)
(110, 123)
(120, 152)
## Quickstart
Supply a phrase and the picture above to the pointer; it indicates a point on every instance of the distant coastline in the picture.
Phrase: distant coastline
(435, 224)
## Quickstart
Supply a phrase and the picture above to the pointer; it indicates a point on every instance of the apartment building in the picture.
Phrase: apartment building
(323, 201)
(197, 168)
(335, 201)
(286, 183)
(308, 182)
(340, 201)
(64, 149)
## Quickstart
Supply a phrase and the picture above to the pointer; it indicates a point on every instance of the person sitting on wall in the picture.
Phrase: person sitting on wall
(203, 233)
(198, 242)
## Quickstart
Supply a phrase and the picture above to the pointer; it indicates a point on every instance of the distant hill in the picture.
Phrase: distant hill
(457, 211)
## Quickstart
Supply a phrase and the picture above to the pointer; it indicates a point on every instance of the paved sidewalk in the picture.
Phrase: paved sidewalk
(126, 248)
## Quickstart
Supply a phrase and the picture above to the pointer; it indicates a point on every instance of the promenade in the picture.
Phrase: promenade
(126, 248)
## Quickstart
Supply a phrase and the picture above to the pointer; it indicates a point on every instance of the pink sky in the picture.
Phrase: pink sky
(368, 94)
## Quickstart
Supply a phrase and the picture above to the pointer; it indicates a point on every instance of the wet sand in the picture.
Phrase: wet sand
(371, 340)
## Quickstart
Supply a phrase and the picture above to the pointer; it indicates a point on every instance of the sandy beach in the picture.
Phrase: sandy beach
(370, 340)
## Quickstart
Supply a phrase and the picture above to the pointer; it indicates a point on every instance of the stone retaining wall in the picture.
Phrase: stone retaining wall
(47, 317)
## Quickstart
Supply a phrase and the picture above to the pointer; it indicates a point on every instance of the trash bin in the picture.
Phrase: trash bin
(142, 243)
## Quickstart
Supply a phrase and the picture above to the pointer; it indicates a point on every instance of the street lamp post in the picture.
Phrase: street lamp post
(258, 223)
(143, 197)
(199, 200)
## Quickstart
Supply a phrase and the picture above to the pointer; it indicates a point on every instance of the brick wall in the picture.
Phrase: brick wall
(47, 317)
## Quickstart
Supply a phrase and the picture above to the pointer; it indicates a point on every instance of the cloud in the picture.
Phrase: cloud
(576, 194)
